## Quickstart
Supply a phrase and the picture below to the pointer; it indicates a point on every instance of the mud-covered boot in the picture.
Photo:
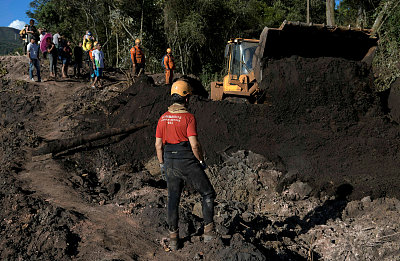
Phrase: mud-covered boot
(209, 233)
(173, 240)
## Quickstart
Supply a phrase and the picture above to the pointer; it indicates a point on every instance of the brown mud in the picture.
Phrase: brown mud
(310, 175)
(324, 125)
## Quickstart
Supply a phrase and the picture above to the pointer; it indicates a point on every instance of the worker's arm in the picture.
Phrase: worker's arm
(166, 63)
(84, 47)
(159, 149)
(196, 148)
(28, 53)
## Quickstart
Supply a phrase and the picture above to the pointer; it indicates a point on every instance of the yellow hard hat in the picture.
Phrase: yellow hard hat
(95, 43)
(182, 88)
(137, 41)
(169, 50)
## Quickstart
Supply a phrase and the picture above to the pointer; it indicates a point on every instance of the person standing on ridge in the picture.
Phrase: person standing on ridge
(138, 59)
(91, 63)
(24, 37)
(98, 64)
(87, 45)
(169, 65)
(31, 31)
(34, 60)
(56, 38)
(78, 54)
(53, 55)
(42, 33)
(181, 160)
(66, 59)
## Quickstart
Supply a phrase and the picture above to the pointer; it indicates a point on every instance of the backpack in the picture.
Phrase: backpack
(162, 62)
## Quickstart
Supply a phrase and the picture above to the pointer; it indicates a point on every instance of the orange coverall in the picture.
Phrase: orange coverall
(169, 64)
(138, 58)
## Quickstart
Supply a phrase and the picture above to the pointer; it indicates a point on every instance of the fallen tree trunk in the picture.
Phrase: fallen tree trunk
(57, 146)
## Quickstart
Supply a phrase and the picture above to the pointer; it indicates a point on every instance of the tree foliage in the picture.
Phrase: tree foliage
(197, 30)
(387, 59)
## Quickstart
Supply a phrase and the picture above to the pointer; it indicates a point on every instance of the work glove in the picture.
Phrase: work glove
(163, 174)
(203, 165)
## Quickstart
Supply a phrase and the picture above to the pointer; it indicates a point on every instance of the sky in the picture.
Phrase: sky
(12, 13)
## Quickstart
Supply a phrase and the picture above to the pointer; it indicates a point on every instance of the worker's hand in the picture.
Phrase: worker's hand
(163, 174)
(203, 165)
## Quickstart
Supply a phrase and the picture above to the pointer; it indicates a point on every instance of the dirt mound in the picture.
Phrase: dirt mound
(15, 67)
(319, 89)
(324, 126)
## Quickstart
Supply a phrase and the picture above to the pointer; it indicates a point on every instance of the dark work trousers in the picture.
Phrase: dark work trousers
(139, 66)
(53, 63)
(91, 70)
(182, 166)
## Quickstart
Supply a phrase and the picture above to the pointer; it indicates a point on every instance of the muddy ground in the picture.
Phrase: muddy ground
(310, 175)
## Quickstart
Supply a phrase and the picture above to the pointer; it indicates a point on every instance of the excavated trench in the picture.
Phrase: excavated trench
(302, 176)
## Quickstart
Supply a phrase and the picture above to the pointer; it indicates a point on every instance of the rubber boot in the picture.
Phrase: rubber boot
(209, 233)
(173, 240)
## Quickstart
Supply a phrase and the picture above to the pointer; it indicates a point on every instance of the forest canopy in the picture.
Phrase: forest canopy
(197, 30)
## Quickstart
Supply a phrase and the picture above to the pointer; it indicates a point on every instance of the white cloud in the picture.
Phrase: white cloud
(17, 24)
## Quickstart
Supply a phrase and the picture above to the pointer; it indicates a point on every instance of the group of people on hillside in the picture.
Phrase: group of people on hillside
(58, 48)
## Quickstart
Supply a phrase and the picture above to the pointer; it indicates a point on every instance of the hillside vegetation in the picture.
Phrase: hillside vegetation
(198, 30)
(9, 40)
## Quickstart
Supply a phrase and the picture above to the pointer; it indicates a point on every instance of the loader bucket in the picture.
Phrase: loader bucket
(309, 40)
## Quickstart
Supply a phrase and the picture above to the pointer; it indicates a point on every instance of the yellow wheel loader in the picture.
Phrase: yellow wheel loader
(245, 57)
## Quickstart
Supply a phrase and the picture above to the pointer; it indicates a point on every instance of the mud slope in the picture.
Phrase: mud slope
(107, 201)
(31, 228)
(322, 125)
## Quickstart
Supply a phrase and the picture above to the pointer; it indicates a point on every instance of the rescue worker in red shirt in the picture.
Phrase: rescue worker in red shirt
(138, 58)
(169, 64)
(181, 161)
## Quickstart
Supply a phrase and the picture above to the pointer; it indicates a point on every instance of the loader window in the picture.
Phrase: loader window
(242, 58)
(227, 57)
(235, 60)
(248, 49)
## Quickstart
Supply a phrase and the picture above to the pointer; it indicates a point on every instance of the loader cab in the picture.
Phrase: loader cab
(239, 80)
(239, 56)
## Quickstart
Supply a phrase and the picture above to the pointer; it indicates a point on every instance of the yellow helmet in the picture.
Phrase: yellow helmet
(182, 88)
(95, 43)
(169, 50)
(137, 41)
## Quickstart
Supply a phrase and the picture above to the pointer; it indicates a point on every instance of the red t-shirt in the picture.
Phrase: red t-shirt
(174, 128)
